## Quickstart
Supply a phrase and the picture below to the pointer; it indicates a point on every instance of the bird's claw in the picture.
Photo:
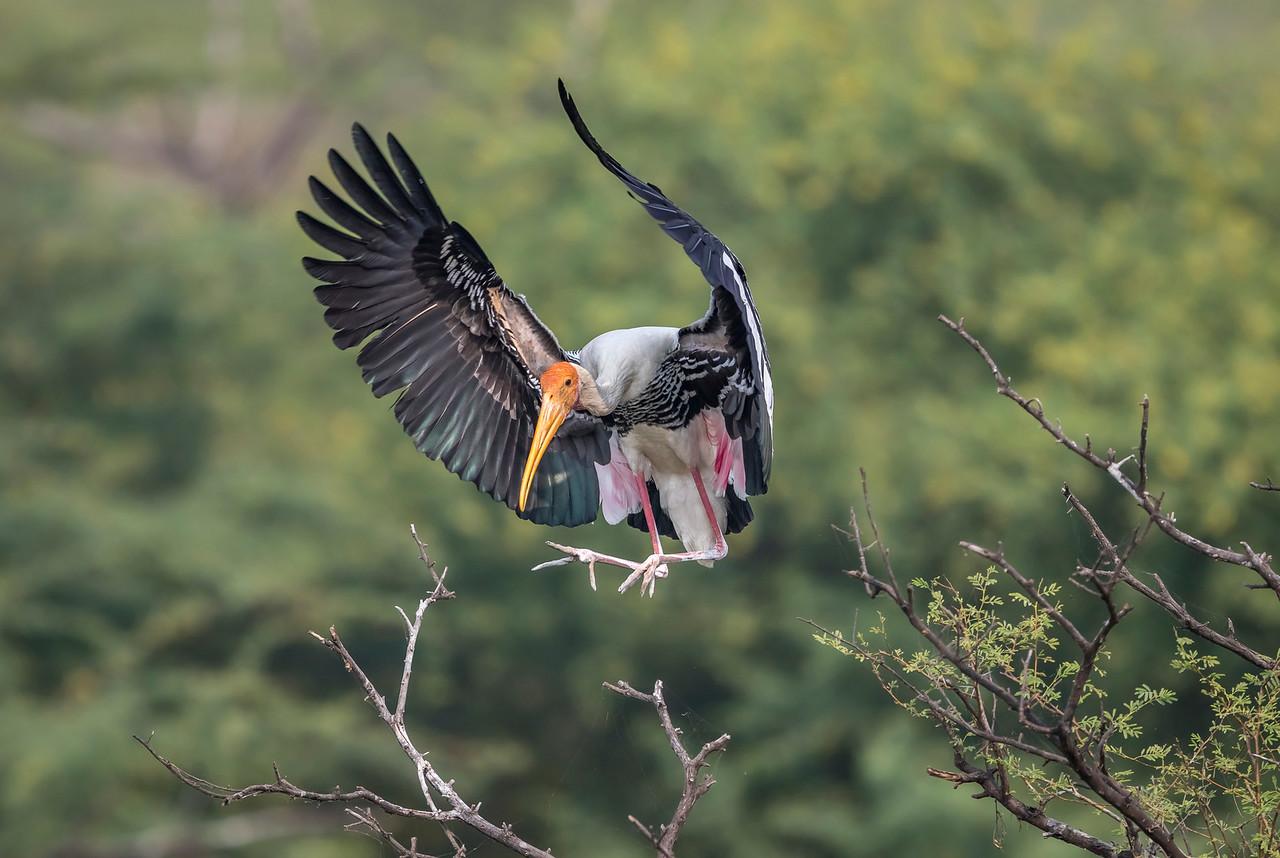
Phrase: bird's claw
(647, 573)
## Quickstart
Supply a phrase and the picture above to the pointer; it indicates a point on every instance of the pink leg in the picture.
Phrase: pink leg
(648, 514)
(711, 513)
(647, 571)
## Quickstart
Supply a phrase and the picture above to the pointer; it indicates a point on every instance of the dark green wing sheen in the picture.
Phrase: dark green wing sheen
(437, 324)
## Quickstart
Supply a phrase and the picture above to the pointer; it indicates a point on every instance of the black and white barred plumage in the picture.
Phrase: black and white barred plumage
(688, 382)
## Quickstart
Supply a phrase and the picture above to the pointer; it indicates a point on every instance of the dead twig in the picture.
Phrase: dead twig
(696, 783)
(443, 803)
(1260, 563)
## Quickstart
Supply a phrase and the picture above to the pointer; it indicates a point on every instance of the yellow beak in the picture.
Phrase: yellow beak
(550, 417)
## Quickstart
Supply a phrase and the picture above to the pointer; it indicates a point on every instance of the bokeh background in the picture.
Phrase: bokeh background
(192, 477)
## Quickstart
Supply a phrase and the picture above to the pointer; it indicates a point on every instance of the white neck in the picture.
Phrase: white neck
(589, 394)
(622, 363)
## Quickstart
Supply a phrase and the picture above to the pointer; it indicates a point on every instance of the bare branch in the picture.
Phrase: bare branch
(696, 784)
(1142, 446)
(453, 808)
(366, 822)
(443, 803)
(1259, 563)
(282, 786)
(880, 544)
(1162, 597)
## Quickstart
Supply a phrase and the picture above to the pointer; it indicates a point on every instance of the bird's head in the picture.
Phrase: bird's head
(561, 386)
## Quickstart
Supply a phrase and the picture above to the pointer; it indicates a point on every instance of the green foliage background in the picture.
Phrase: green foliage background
(191, 476)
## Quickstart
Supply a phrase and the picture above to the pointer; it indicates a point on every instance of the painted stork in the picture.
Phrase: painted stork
(670, 429)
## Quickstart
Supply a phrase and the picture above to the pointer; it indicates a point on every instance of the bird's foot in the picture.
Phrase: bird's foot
(647, 573)
(587, 556)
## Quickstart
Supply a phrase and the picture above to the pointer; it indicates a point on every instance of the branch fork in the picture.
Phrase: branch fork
(696, 784)
(965, 697)
(443, 804)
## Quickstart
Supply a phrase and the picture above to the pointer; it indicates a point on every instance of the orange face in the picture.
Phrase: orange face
(559, 395)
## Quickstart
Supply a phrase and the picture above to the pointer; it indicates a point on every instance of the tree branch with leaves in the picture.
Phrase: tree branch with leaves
(1016, 680)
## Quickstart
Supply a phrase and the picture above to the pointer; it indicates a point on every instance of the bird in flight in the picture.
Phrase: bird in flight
(669, 429)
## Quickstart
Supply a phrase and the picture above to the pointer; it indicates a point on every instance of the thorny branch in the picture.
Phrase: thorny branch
(1052, 726)
(696, 784)
(444, 805)
(1047, 725)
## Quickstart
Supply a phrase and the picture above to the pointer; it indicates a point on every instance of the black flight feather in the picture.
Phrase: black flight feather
(435, 323)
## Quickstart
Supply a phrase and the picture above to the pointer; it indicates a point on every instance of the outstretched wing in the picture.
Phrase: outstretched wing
(438, 325)
(731, 323)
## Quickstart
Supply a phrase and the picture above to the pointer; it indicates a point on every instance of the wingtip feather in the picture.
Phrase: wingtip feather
(413, 180)
(579, 125)
(313, 267)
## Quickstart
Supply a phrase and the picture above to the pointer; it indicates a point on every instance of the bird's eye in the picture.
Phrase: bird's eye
(567, 382)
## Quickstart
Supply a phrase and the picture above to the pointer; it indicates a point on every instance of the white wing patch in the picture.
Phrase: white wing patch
(757, 339)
